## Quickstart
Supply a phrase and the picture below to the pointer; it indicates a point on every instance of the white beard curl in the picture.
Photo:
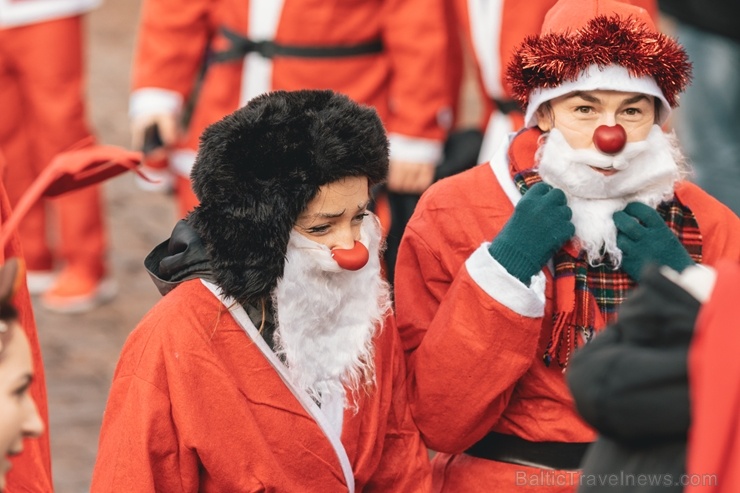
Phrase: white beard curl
(327, 316)
(648, 172)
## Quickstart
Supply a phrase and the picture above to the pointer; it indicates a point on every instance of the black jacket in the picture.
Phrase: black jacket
(631, 384)
(183, 257)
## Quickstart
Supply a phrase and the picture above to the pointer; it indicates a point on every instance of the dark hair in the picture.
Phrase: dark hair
(8, 312)
(8, 315)
(10, 272)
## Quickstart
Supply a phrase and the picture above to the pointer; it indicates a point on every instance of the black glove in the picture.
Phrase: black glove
(538, 228)
(644, 237)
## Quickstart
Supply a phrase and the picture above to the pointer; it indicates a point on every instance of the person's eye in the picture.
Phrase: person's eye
(633, 111)
(359, 217)
(21, 391)
(584, 109)
(319, 230)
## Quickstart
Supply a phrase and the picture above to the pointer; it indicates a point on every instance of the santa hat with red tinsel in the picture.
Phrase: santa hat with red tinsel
(588, 45)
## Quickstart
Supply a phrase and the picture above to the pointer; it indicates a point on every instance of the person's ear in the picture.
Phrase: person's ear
(544, 118)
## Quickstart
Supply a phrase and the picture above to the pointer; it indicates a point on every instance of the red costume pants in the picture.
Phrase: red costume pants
(42, 96)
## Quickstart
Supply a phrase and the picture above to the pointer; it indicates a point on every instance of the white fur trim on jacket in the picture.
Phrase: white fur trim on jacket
(415, 150)
(21, 13)
(485, 29)
(496, 281)
(264, 18)
(154, 101)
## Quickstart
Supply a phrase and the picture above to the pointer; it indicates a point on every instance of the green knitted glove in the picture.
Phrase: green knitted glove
(644, 237)
(538, 228)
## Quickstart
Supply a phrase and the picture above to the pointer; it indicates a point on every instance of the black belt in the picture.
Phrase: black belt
(515, 450)
(507, 106)
(241, 46)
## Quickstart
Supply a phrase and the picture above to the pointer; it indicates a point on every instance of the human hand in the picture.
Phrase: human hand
(167, 124)
(539, 227)
(410, 177)
(644, 237)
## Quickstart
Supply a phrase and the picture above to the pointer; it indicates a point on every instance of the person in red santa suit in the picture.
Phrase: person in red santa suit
(506, 269)
(41, 91)
(273, 361)
(388, 54)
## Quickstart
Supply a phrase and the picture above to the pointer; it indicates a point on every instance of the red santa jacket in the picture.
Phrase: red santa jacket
(714, 385)
(200, 403)
(474, 336)
(405, 82)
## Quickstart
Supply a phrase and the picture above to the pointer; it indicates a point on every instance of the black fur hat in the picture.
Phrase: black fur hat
(259, 167)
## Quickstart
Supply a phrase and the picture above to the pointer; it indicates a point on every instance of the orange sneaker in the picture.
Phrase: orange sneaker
(76, 291)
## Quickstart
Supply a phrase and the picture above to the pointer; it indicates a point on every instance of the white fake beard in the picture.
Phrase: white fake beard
(648, 172)
(327, 316)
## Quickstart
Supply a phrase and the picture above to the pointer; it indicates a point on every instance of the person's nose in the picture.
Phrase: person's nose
(345, 238)
(609, 119)
(33, 425)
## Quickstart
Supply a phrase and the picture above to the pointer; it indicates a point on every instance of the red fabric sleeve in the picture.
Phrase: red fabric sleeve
(139, 447)
(465, 351)
(171, 44)
(415, 35)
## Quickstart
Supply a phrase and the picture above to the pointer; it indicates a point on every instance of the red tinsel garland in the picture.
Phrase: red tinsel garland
(548, 61)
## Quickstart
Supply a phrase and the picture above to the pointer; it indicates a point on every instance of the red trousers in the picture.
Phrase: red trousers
(42, 96)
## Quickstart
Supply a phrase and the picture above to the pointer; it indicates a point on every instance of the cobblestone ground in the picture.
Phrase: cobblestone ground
(80, 352)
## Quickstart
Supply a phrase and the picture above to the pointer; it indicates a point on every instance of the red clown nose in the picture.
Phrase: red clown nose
(354, 258)
(610, 140)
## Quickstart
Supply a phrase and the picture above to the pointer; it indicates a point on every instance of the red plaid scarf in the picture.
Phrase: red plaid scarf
(587, 297)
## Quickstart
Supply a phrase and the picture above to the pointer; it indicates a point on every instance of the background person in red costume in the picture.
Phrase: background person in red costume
(273, 361)
(389, 54)
(507, 269)
(42, 93)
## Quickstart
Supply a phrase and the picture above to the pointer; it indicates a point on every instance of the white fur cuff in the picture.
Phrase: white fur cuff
(496, 281)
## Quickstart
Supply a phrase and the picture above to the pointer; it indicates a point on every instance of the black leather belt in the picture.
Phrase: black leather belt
(241, 46)
(515, 450)
(507, 106)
